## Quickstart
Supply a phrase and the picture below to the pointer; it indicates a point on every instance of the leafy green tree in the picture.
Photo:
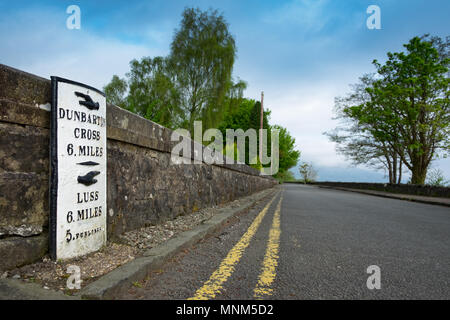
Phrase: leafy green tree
(286, 176)
(239, 117)
(255, 117)
(153, 93)
(201, 62)
(195, 83)
(409, 105)
(115, 91)
(287, 153)
(308, 173)
(255, 123)
(234, 97)
(355, 141)
(243, 117)
(436, 178)
(247, 116)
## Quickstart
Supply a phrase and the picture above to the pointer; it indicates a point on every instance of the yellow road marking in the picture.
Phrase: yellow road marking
(270, 263)
(212, 287)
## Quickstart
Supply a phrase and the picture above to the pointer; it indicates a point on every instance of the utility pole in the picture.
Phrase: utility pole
(261, 128)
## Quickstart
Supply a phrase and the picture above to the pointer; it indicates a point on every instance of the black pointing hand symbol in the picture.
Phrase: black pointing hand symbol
(88, 103)
(88, 179)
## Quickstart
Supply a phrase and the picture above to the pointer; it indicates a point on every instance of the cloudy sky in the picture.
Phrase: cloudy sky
(301, 53)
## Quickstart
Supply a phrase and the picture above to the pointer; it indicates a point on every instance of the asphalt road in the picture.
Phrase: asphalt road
(317, 245)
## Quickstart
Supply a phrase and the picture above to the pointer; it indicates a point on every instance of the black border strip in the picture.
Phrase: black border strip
(53, 194)
(53, 167)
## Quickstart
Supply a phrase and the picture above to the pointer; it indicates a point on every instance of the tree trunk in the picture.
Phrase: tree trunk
(389, 167)
(419, 172)
(394, 169)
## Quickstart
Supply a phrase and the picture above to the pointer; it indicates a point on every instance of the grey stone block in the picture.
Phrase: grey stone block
(18, 251)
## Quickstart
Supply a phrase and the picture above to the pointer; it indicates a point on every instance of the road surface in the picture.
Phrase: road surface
(313, 243)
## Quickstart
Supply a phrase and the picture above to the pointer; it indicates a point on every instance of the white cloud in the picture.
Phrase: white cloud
(39, 42)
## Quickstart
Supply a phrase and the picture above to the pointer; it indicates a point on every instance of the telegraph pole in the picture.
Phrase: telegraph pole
(261, 128)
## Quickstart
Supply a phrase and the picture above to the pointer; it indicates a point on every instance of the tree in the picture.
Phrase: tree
(193, 83)
(287, 153)
(201, 62)
(235, 96)
(247, 116)
(243, 117)
(255, 123)
(153, 93)
(436, 178)
(355, 141)
(409, 105)
(115, 91)
(308, 173)
(286, 176)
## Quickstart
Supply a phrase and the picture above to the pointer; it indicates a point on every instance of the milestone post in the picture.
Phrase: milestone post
(77, 169)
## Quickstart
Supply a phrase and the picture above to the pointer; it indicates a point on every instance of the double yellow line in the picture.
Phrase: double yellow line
(214, 284)
(270, 263)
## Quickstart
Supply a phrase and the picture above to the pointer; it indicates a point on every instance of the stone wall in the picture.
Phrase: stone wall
(144, 187)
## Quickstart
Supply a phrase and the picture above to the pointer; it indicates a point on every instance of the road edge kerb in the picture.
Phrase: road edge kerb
(153, 259)
(393, 196)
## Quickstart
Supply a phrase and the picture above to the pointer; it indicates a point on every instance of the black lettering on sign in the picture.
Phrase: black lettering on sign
(87, 196)
(87, 134)
(90, 151)
(83, 234)
(80, 116)
(89, 213)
